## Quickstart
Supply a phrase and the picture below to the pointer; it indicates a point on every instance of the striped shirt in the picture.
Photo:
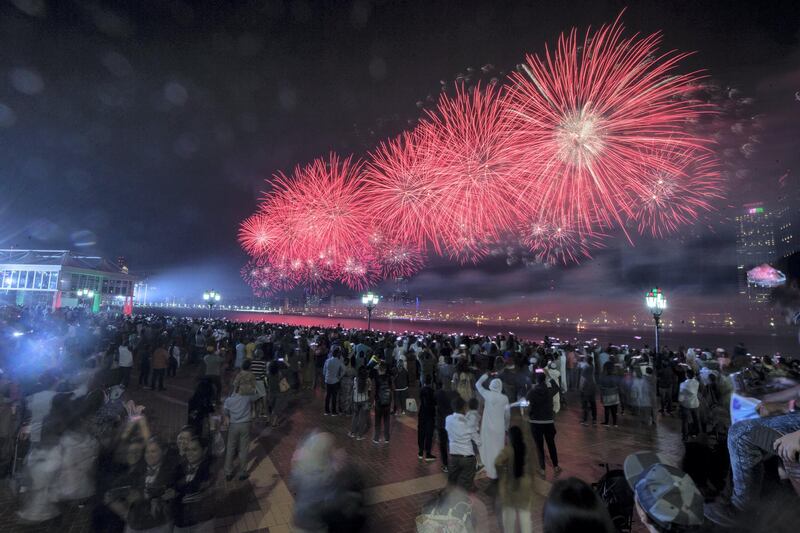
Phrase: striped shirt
(258, 368)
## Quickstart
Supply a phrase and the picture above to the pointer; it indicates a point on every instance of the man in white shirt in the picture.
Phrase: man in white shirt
(125, 362)
(690, 404)
(460, 435)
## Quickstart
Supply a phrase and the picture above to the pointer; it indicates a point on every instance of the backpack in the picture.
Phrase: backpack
(384, 393)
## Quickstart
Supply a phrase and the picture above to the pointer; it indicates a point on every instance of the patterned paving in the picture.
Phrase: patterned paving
(398, 485)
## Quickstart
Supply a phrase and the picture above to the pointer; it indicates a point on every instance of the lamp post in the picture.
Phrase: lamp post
(211, 298)
(370, 301)
(656, 303)
(84, 293)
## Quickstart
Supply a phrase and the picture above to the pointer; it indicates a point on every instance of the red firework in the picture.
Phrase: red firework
(553, 240)
(404, 193)
(322, 210)
(677, 192)
(586, 119)
(358, 272)
(399, 260)
(475, 170)
(266, 279)
(256, 234)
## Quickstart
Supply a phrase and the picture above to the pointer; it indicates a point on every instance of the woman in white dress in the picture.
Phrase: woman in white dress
(494, 423)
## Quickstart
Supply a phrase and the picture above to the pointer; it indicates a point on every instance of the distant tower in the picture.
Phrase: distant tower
(756, 244)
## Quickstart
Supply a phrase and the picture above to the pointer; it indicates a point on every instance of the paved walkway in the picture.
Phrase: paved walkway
(397, 483)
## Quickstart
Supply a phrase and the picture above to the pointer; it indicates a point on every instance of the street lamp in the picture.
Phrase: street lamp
(211, 298)
(84, 293)
(656, 303)
(370, 301)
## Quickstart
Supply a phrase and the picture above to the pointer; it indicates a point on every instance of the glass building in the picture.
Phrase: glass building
(60, 278)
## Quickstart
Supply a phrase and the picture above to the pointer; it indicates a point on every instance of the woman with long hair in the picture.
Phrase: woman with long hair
(515, 488)
(193, 508)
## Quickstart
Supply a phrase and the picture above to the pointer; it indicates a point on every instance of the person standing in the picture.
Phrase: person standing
(241, 350)
(346, 387)
(444, 408)
(237, 408)
(361, 388)
(160, 362)
(384, 392)
(400, 388)
(588, 390)
(125, 362)
(665, 384)
(494, 422)
(332, 371)
(144, 365)
(277, 389)
(461, 435)
(426, 420)
(690, 405)
(516, 486)
(542, 420)
(609, 394)
(213, 363)
(174, 359)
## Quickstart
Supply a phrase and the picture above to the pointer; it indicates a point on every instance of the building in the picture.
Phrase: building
(756, 244)
(60, 278)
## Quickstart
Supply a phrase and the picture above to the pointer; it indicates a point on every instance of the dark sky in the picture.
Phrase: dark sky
(146, 129)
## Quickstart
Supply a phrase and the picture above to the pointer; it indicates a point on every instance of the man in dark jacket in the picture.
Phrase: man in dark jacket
(542, 420)
(426, 420)
(666, 378)
(384, 392)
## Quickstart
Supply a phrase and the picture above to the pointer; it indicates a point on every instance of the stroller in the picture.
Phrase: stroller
(613, 489)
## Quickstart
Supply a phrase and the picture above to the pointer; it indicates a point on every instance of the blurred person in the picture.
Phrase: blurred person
(573, 507)
(665, 384)
(609, 394)
(277, 390)
(213, 371)
(400, 388)
(160, 363)
(193, 506)
(125, 364)
(346, 387)
(444, 408)
(201, 405)
(426, 420)
(494, 422)
(144, 365)
(689, 405)
(444, 374)
(515, 492)
(119, 473)
(328, 490)
(332, 371)
(383, 385)
(361, 396)
(463, 380)
(588, 390)
(461, 436)
(237, 408)
(258, 367)
(245, 381)
(240, 354)
(174, 362)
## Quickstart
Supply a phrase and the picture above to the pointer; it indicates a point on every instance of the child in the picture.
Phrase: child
(474, 419)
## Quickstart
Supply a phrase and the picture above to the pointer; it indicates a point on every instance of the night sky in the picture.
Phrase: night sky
(146, 129)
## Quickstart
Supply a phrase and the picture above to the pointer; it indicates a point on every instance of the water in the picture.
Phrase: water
(759, 343)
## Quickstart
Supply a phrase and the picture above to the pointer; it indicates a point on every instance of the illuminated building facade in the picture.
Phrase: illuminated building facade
(60, 278)
(756, 244)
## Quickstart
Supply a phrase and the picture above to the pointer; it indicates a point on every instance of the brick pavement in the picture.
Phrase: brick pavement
(397, 483)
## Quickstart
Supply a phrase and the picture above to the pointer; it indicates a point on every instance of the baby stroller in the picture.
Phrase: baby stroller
(613, 489)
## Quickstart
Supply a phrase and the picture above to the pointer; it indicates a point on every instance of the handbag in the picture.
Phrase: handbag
(218, 445)
(283, 385)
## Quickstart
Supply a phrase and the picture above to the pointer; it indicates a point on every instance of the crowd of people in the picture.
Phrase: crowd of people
(70, 434)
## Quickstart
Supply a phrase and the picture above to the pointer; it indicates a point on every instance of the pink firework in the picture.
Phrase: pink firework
(266, 279)
(588, 116)
(398, 260)
(475, 170)
(404, 193)
(553, 240)
(677, 192)
(256, 234)
(358, 272)
(322, 210)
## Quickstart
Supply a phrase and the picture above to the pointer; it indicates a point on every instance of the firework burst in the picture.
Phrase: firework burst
(586, 118)
(322, 210)
(404, 193)
(678, 192)
(474, 169)
(256, 234)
